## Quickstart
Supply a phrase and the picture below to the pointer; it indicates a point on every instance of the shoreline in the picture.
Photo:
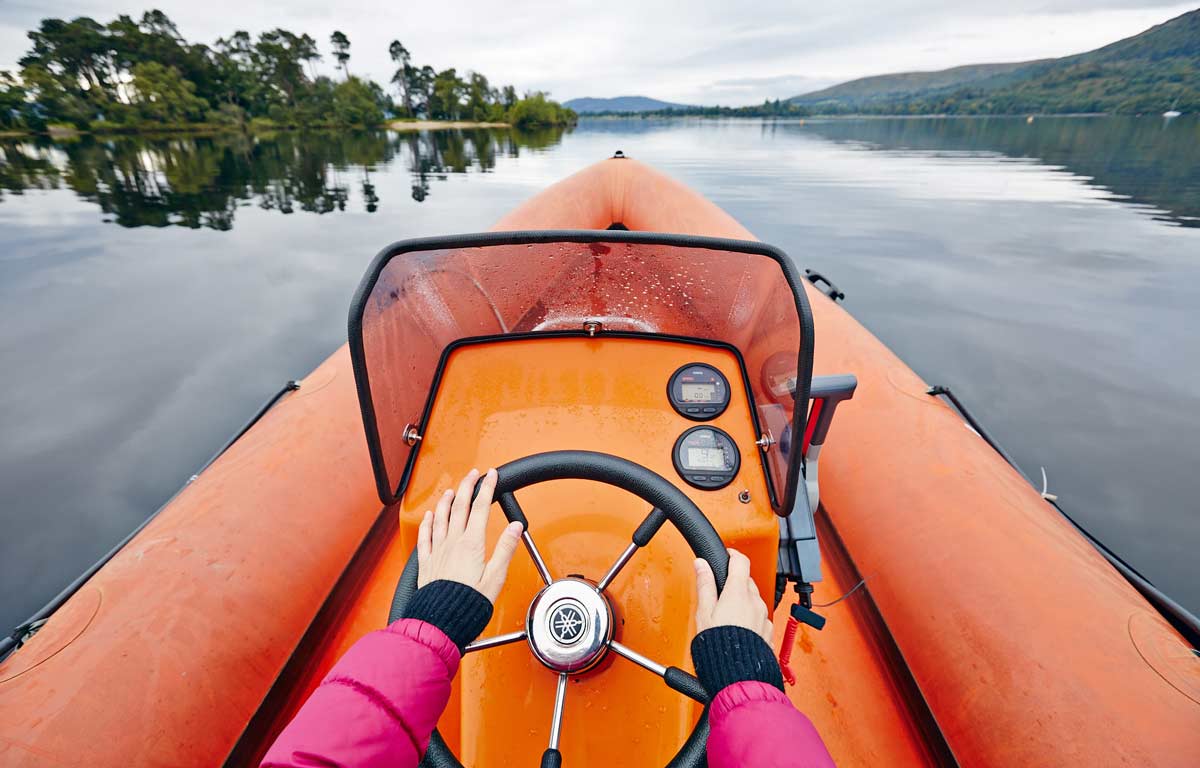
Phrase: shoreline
(863, 116)
(61, 132)
(440, 125)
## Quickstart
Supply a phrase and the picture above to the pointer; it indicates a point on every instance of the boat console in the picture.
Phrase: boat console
(619, 381)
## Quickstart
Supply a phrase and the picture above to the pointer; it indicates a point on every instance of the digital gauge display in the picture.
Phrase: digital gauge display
(698, 391)
(706, 457)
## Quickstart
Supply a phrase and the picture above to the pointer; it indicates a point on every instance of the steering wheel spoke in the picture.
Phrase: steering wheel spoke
(641, 537)
(552, 758)
(514, 513)
(495, 642)
(677, 679)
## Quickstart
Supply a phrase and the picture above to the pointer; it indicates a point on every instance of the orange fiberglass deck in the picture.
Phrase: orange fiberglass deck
(989, 633)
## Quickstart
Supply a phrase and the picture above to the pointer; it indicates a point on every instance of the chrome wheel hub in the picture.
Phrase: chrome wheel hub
(569, 625)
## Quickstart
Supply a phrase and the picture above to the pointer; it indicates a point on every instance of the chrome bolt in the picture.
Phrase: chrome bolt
(411, 435)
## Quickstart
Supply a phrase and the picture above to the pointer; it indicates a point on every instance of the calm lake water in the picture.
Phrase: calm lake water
(154, 292)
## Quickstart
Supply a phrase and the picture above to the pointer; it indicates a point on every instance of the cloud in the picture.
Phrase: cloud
(704, 51)
(740, 90)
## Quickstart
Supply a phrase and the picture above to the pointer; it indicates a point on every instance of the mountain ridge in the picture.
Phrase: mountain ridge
(1147, 72)
(893, 85)
(586, 104)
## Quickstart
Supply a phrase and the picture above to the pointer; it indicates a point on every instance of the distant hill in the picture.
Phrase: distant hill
(867, 91)
(621, 104)
(1147, 73)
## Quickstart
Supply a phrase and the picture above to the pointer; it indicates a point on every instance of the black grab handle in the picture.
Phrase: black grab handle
(833, 292)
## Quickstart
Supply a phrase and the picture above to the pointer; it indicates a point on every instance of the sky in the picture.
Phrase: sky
(688, 51)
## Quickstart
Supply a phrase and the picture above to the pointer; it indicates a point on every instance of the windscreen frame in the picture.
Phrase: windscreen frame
(390, 494)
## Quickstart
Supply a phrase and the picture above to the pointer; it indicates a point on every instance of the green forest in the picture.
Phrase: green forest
(143, 75)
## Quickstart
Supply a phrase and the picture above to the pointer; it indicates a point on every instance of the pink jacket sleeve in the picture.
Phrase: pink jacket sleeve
(377, 706)
(754, 725)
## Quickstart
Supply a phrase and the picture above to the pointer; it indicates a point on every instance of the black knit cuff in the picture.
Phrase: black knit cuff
(727, 655)
(456, 609)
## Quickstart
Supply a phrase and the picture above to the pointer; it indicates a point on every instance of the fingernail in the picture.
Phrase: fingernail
(474, 471)
(448, 492)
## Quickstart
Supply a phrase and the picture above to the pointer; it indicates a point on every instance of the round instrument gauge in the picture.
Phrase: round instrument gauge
(698, 392)
(706, 457)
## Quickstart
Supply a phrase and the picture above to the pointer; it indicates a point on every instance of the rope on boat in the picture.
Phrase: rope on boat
(849, 592)
(1183, 620)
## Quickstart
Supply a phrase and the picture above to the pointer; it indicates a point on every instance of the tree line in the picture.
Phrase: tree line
(136, 75)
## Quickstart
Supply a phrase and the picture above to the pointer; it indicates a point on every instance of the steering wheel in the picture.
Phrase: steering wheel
(569, 625)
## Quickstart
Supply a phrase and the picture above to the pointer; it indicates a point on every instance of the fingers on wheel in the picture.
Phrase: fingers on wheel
(424, 546)
(496, 570)
(739, 568)
(424, 538)
(461, 508)
(441, 518)
(706, 591)
(481, 507)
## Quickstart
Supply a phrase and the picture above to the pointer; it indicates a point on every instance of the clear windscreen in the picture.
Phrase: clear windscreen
(425, 300)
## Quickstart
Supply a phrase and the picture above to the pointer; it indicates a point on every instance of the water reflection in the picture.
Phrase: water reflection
(201, 181)
(1145, 162)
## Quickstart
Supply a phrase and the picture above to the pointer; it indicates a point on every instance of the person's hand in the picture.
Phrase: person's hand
(451, 539)
(739, 605)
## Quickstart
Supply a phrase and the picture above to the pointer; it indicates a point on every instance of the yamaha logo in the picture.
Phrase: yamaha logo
(567, 623)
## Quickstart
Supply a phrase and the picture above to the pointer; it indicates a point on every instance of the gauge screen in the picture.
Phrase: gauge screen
(698, 391)
(706, 457)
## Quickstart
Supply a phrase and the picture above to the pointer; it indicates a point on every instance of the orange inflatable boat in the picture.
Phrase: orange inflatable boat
(615, 328)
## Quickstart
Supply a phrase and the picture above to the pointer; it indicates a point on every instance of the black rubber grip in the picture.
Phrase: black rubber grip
(685, 683)
(512, 510)
(552, 758)
(649, 527)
